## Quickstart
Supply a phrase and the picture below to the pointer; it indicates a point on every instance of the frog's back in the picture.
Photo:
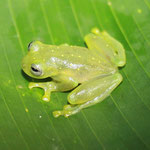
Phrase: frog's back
(79, 55)
(79, 62)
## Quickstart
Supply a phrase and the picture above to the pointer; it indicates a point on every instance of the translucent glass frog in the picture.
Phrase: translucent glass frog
(91, 72)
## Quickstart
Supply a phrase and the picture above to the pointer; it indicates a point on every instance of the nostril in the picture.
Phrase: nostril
(23, 65)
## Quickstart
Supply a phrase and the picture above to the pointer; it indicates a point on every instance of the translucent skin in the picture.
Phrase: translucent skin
(95, 68)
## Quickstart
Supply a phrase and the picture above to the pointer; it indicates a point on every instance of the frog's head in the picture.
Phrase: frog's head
(35, 63)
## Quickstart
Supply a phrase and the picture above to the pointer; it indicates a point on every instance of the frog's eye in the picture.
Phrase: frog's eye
(29, 46)
(36, 70)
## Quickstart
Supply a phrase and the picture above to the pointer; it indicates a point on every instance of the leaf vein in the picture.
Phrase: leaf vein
(13, 119)
(123, 33)
(133, 129)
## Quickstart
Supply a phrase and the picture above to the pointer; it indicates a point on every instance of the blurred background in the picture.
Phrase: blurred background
(122, 121)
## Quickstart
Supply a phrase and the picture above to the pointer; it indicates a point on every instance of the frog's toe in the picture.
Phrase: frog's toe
(65, 113)
(68, 110)
(95, 30)
(57, 113)
(46, 98)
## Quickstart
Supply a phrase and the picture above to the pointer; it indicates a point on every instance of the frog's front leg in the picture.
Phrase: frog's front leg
(89, 93)
(47, 86)
(64, 84)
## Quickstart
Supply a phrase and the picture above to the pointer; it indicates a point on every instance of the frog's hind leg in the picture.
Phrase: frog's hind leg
(107, 46)
(89, 93)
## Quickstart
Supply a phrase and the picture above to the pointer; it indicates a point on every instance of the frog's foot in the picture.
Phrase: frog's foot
(67, 111)
(45, 86)
(95, 31)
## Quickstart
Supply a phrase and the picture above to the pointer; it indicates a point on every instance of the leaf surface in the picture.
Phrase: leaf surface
(122, 121)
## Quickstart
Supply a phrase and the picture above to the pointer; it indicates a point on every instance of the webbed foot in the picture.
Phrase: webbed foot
(67, 111)
(45, 86)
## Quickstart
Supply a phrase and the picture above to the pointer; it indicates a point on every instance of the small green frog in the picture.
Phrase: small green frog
(91, 72)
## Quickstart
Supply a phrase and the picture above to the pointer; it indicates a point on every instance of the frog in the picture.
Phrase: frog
(90, 73)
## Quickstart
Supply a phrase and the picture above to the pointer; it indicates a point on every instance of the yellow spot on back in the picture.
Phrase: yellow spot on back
(23, 94)
(52, 50)
(99, 61)
(93, 58)
(71, 54)
(62, 55)
(26, 109)
(79, 56)
(139, 11)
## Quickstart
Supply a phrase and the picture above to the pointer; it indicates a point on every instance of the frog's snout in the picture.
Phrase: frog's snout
(23, 66)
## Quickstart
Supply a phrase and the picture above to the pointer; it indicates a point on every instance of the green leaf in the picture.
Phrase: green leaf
(122, 121)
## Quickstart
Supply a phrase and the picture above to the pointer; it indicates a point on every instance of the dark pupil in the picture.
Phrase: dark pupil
(35, 70)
